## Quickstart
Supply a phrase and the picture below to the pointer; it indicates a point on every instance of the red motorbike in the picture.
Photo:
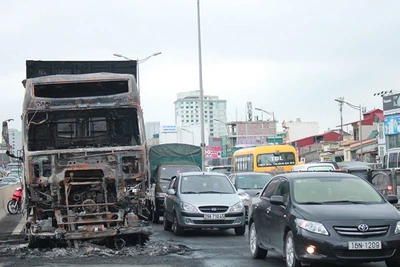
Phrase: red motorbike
(15, 204)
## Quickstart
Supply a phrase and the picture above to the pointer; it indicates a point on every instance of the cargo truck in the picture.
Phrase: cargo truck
(85, 157)
(165, 161)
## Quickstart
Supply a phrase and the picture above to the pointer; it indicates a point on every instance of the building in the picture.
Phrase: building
(180, 134)
(391, 125)
(318, 147)
(15, 137)
(187, 112)
(365, 145)
(152, 128)
(296, 130)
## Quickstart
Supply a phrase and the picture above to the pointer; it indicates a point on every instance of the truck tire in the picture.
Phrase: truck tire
(155, 215)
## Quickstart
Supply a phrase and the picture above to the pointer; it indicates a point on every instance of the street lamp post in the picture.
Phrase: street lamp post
(359, 108)
(186, 130)
(273, 119)
(138, 61)
(202, 145)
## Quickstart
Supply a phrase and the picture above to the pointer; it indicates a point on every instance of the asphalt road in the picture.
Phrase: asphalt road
(209, 248)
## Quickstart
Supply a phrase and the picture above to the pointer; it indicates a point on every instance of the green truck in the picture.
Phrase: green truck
(165, 161)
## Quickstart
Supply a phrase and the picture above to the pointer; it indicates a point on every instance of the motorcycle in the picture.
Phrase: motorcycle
(15, 204)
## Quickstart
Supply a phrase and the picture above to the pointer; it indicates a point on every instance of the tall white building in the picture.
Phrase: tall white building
(187, 112)
(152, 128)
(15, 138)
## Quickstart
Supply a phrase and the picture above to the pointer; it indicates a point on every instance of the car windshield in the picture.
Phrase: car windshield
(334, 190)
(253, 181)
(206, 184)
(169, 171)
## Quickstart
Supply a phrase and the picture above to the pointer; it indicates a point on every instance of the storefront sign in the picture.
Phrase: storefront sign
(212, 152)
(391, 124)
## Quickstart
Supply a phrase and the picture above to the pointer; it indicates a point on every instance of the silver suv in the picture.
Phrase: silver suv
(197, 200)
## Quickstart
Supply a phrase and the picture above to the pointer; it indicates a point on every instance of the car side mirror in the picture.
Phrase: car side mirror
(277, 200)
(392, 199)
(241, 191)
(171, 191)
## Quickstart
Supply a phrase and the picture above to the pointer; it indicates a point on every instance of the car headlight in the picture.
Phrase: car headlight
(188, 207)
(237, 207)
(397, 229)
(314, 227)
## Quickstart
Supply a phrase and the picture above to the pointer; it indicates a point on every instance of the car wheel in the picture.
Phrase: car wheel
(392, 263)
(256, 251)
(176, 228)
(240, 230)
(167, 224)
(290, 255)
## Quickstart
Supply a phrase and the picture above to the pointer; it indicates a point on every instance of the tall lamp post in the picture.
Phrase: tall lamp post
(359, 108)
(139, 61)
(202, 145)
(186, 130)
(273, 119)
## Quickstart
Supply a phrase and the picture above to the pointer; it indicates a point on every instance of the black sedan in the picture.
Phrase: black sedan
(324, 217)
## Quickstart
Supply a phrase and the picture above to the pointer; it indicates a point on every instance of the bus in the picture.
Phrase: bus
(274, 159)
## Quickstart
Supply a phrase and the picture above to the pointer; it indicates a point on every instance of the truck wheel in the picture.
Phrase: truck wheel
(155, 215)
(240, 230)
(167, 224)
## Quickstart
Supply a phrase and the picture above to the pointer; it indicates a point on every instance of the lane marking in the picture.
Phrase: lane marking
(19, 227)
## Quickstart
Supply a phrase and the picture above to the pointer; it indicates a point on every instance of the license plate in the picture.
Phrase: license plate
(214, 216)
(365, 245)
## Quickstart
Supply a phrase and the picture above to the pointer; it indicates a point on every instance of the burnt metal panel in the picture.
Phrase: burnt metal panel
(39, 68)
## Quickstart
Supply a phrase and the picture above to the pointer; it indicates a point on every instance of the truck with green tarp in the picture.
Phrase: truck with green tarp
(165, 160)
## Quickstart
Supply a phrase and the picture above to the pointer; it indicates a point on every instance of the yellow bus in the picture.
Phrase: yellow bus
(275, 158)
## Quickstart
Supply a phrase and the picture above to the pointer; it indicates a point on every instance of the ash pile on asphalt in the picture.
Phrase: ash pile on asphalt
(156, 248)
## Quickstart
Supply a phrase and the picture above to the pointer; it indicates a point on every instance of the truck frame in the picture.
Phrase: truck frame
(85, 173)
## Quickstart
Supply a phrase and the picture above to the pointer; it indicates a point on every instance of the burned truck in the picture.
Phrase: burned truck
(84, 154)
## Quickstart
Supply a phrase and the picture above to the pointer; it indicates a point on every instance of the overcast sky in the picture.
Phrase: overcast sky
(290, 57)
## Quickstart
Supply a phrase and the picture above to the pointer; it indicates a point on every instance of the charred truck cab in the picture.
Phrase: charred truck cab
(84, 153)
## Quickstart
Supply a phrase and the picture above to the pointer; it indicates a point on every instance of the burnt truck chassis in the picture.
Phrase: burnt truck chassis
(85, 160)
(82, 200)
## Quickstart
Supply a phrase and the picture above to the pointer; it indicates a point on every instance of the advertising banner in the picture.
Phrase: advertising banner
(212, 152)
(169, 129)
(391, 102)
(391, 124)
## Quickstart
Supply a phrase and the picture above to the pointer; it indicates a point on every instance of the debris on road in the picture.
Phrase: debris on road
(85, 249)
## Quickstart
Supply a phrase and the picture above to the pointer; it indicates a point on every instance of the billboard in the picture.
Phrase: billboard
(212, 152)
(391, 124)
(391, 103)
(168, 129)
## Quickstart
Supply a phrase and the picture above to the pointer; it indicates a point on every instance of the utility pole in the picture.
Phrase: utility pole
(341, 115)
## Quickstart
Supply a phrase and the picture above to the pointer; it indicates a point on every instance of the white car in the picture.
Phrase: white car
(314, 167)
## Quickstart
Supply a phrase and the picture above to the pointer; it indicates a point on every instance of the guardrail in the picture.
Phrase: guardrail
(6, 193)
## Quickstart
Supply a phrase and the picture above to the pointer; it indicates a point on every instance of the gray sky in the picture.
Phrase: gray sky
(290, 57)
